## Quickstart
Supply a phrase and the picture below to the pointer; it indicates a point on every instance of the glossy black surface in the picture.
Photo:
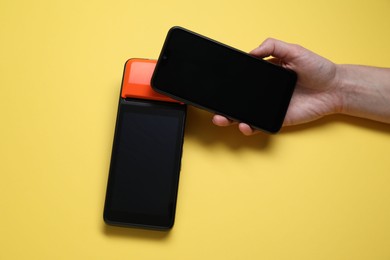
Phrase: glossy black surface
(145, 164)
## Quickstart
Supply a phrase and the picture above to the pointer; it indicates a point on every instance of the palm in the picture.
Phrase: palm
(307, 105)
(315, 94)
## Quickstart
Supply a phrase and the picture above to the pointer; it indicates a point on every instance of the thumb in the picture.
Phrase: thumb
(275, 48)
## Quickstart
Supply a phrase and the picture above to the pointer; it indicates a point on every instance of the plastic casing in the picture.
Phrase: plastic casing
(136, 91)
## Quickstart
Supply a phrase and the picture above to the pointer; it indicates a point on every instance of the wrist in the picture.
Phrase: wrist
(364, 92)
(345, 89)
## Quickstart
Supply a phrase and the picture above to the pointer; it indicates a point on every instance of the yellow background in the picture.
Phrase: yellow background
(318, 191)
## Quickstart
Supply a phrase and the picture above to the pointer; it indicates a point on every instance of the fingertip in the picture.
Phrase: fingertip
(245, 129)
(273, 47)
(265, 49)
(253, 52)
(220, 120)
(258, 52)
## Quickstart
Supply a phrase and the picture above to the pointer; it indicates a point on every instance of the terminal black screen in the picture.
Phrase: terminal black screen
(145, 164)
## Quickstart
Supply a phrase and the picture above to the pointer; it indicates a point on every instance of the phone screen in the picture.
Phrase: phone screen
(213, 76)
(145, 164)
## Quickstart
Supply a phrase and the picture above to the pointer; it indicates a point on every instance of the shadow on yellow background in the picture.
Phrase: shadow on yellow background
(343, 120)
(200, 127)
(134, 233)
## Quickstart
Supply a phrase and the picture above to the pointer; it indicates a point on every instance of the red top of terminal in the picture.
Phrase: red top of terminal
(136, 81)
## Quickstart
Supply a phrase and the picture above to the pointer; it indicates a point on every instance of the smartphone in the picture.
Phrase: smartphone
(202, 72)
(146, 154)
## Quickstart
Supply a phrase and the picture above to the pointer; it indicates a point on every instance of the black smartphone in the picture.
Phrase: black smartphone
(146, 157)
(202, 72)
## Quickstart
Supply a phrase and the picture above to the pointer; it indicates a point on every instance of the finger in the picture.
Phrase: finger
(275, 48)
(222, 121)
(246, 129)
